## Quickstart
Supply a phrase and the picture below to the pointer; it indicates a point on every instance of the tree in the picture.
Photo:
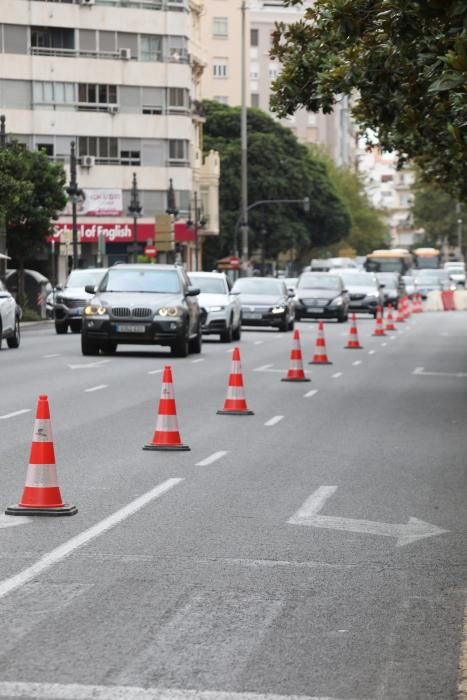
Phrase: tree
(436, 212)
(278, 168)
(368, 231)
(404, 65)
(32, 195)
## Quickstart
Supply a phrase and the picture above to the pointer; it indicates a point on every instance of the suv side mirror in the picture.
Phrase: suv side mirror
(58, 288)
(345, 291)
(192, 292)
(382, 286)
(90, 289)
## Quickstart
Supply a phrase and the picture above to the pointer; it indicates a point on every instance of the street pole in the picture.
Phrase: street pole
(3, 245)
(196, 232)
(134, 208)
(244, 147)
(460, 222)
(75, 195)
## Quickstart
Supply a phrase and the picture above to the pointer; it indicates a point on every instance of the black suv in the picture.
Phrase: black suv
(142, 305)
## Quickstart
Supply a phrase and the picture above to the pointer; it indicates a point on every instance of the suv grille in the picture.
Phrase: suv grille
(142, 313)
(75, 303)
(121, 312)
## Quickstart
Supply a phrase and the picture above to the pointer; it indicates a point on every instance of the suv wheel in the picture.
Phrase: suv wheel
(61, 328)
(196, 344)
(14, 340)
(284, 325)
(109, 348)
(237, 332)
(88, 347)
(343, 317)
(227, 335)
(181, 347)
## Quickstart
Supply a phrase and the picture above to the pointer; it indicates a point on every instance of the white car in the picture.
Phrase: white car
(10, 315)
(220, 309)
(456, 271)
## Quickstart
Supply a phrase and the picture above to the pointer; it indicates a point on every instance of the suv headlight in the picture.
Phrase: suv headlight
(93, 310)
(278, 309)
(169, 311)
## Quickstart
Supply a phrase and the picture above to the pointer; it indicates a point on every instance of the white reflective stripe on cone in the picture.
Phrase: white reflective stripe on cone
(235, 392)
(44, 475)
(236, 367)
(42, 430)
(167, 391)
(167, 423)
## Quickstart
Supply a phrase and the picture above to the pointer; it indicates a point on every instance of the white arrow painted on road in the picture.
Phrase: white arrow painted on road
(421, 371)
(406, 534)
(11, 521)
(99, 363)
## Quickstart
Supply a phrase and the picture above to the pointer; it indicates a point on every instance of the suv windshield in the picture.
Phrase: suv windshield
(249, 285)
(209, 285)
(319, 282)
(80, 278)
(151, 281)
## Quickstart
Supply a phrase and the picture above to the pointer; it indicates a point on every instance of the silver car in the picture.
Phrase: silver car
(10, 316)
(220, 309)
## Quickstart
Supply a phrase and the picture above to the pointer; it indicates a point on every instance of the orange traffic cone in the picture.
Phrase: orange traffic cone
(406, 308)
(320, 357)
(390, 321)
(379, 330)
(296, 373)
(166, 435)
(41, 495)
(235, 403)
(353, 342)
(400, 312)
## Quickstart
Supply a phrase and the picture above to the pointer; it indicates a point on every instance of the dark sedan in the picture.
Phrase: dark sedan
(321, 295)
(265, 301)
(365, 293)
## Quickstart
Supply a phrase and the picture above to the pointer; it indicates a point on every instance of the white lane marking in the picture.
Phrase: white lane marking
(356, 363)
(11, 521)
(54, 354)
(258, 342)
(64, 550)
(200, 359)
(15, 413)
(392, 337)
(274, 421)
(309, 394)
(76, 691)
(96, 388)
(262, 368)
(383, 345)
(98, 363)
(212, 458)
(371, 352)
(155, 371)
(337, 375)
(420, 371)
(405, 533)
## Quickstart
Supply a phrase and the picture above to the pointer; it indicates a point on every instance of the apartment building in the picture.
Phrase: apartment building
(115, 77)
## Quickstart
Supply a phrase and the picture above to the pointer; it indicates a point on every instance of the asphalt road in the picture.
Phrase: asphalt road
(271, 561)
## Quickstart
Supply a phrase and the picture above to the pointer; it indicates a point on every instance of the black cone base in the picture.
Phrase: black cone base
(167, 448)
(320, 363)
(66, 509)
(235, 413)
(360, 347)
(297, 379)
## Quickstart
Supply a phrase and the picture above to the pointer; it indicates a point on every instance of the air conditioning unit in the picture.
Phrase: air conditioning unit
(87, 2)
(125, 53)
(88, 161)
(113, 109)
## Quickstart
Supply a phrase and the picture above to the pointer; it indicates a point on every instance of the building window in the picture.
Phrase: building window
(52, 40)
(254, 71)
(47, 148)
(178, 150)
(45, 92)
(254, 99)
(220, 68)
(220, 27)
(273, 71)
(222, 99)
(130, 157)
(151, 48)
(254, 37)
(104, 149)
(178, 98)
(94, 97)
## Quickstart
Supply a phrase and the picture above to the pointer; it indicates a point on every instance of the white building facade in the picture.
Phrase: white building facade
(115, 77)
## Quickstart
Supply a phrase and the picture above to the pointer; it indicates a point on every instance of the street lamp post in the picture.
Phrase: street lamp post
(135, 208)
(3, 247)
(76, 195)
(305, 202)
(198, 222)
(244, 208)
(460, 223)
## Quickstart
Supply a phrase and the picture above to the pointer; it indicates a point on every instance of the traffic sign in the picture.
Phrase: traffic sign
(150, 251)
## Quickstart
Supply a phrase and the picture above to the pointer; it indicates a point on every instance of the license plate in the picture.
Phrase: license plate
(251, 316)
(314, 309)
(126, 328)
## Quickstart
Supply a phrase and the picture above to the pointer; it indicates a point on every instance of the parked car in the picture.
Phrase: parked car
(220, 309)
(321, 295)
(265, 301)
(71, 299)
(456, 271)
(10, 316)
(142, 305)
(393, 288)
(365, 294)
